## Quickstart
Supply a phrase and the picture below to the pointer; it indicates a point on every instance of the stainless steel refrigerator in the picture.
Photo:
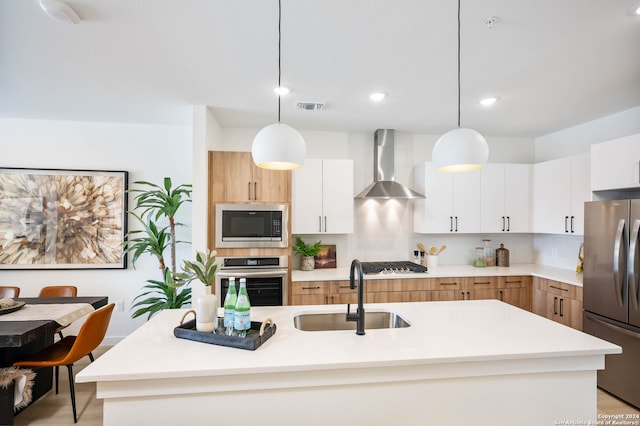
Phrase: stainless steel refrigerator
(611, 293)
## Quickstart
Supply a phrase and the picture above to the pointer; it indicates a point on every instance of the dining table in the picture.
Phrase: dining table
(30, 329)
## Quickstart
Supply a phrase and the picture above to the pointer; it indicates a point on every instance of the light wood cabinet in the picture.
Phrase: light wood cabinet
(310, 292)
(479, 288)
(341, 293)
(515, 290)
(233, 177)
(558, 301)
(615, 164)
(505, 198)
(322, 197)
(560, 189)
(443, 289)
(452, 203)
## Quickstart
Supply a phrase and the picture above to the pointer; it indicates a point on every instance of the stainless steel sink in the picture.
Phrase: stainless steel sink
(337, 321)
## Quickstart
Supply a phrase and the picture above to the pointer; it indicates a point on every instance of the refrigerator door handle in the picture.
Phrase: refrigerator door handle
(634, 282)
(617, 277)
(611, 326)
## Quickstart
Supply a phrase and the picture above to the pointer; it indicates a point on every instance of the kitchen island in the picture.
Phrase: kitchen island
(459, 363)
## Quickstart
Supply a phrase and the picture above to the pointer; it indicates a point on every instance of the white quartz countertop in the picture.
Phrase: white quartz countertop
(440, 332)
(556, 274)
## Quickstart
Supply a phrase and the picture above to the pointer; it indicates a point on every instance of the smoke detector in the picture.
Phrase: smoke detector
(310, 106)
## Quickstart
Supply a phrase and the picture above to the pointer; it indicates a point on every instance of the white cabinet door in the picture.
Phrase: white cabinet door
(561, 188)
(552, 196)
(306, 198)
(580, 191)
(517, 196)
(322, 197)
(615, 164)
(337, 199)
(506, 191)
(452, 202)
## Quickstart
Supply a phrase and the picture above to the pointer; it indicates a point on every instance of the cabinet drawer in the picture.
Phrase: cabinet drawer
(340, 287)
(557, 288)
(479, 283)
(446, 284)
(514, 282)
(310, 287)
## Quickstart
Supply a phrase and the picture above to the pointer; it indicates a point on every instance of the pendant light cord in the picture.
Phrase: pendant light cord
(458, 63)
(280, 54)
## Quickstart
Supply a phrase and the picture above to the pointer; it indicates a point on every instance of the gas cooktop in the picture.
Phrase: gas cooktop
(391, 267)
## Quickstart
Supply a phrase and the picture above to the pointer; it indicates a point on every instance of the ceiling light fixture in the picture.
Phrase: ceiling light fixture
(460, 149)
(377, 96)
(60, 11)
(488, 101)
(634, 10)
(279, 146)
(281, 90)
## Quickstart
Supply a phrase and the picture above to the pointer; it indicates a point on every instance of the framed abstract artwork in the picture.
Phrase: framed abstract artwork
(62, 219)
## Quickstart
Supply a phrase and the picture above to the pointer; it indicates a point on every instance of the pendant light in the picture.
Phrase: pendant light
(460, 149)
(278, 146)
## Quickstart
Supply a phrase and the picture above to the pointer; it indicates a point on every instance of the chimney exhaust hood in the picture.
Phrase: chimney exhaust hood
(384, 184)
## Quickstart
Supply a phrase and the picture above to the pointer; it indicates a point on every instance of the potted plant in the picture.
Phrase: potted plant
(307, 253)
(157, 207)
(203, 268)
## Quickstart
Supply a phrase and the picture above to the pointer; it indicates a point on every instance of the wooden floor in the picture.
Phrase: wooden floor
(55, 410)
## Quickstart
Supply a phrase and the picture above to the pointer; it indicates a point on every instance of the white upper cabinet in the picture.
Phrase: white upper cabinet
(452, 201)
(560, 189)
(322, 197)
(505, 198)
(615, 164)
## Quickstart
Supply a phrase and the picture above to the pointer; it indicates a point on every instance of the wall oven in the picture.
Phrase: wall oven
(267, 278)
(252, 225)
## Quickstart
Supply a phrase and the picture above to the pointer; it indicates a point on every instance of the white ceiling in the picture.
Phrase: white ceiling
(553, 63)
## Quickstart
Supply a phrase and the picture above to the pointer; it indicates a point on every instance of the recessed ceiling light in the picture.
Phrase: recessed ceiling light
(377, 96)
(60, 11)
(489, 101)
(634, 10)
(282, 90)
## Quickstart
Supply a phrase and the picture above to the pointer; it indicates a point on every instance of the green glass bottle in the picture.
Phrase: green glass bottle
(242, 316)
(230, 306)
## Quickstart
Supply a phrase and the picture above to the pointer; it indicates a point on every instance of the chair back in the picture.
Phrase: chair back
(59, 291)
(8, 291)
(91, 334)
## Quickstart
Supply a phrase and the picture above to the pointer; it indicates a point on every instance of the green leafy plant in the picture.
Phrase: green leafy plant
(157, 207)
(306, 249)
(203, 268)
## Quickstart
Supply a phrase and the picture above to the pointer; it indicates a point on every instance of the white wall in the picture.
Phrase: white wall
(147, 152)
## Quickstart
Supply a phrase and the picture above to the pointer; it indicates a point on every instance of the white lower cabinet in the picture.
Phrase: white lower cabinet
(615, 164)
(322, 197)
(452, 203)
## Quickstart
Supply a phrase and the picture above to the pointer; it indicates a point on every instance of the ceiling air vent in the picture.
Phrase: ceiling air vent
(310, 106)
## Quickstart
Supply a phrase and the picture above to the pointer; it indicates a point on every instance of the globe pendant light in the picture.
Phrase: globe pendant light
(278, 146)
(460, 149)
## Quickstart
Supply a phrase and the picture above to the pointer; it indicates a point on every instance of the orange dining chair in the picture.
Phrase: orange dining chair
(72, 348)
(59, 291)
(8, 291)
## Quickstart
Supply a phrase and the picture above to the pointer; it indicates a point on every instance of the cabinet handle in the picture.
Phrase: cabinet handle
(345, 286)
(483, 282)
(468, 296)
(319, 223)
(325, 224)
(572, 217)
(311, 288)
(502, 223)
(513, 282)
(462, 295)
(249, 191)
(501, 295)
(558, 288)
(326, 300)
(566, 227)
(448, 283)
(508, 223)
(450, 223)
(561, 307)
(456, 223)
(555, 306)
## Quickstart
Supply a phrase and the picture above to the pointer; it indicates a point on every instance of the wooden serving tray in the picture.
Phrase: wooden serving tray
(256, 336)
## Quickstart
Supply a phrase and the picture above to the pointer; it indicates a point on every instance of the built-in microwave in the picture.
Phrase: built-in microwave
(251, 225)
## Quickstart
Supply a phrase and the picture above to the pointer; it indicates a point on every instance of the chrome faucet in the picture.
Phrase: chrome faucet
(359, 315)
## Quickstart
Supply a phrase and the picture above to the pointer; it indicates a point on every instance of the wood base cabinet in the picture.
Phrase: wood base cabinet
(558, 301)
(515, 291)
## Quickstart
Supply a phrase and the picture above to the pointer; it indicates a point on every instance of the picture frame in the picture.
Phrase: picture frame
(62, 219)
(326, 257)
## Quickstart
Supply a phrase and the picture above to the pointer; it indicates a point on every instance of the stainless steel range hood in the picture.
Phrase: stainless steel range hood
(384, 185)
